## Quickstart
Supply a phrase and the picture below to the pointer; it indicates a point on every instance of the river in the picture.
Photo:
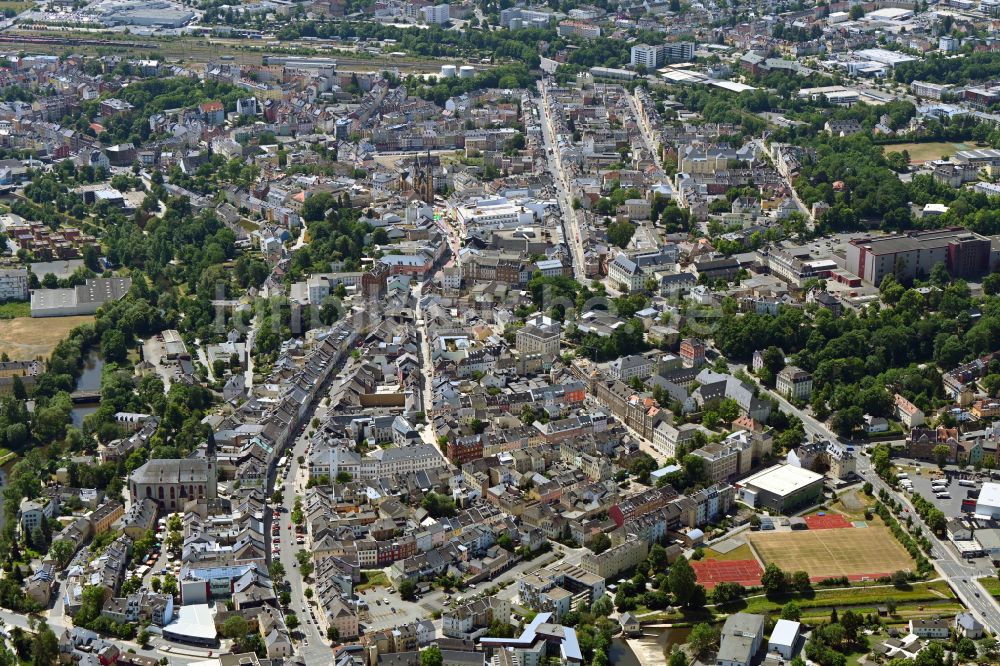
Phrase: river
(649, 650)
(90, 380)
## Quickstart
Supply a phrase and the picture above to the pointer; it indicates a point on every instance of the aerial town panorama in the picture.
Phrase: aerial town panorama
(499, 332)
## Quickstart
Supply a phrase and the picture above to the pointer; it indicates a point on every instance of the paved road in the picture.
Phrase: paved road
(251, 335)
(644, 130)
(795, 195)
(426, 366)
(571, 224)
(312, 646)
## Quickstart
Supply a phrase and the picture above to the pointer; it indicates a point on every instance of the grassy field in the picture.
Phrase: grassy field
(992, 585)
(13, 310)
(370, 579)
(17, 5)
(916, 594)
(852, 504)
(24, 338)
(829, 553)
(740, 553)
(931, 150)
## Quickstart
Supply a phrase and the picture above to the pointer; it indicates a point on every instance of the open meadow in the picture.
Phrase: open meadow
(25, 338)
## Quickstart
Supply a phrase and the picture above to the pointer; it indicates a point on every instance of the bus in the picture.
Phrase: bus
(968, 483)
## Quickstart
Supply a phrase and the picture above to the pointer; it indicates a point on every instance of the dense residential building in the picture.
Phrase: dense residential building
(13, 284)
(429, 329)
(794, 383)
(652, 57)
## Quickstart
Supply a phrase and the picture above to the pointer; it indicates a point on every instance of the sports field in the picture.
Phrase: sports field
(926, 151)
(857, 553)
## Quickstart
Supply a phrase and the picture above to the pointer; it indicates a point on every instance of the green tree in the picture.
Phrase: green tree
(657, 558)
(846, 421)
(602, 607)
(600, 543)
(791, 611)
(439, 506)
(235, 627)
(677, 658)
(703, 639)
(62, 551)
(682, 581)
(773, 580)
(800, 581)
(991, 284)
(966, 648)
(725, 593)
(44, 647)
(431, 656)
(941, 454)
(407, 590)
(620, 233)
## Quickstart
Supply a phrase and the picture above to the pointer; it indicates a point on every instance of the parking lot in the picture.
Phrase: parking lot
(383, 615)
(922, 485)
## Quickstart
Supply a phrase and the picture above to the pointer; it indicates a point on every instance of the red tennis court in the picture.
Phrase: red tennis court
(712, 572)
(830, 521)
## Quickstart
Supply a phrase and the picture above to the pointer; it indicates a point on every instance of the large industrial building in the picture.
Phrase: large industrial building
(781, 488)
(83, 299)
(988, 503)
(966, 254)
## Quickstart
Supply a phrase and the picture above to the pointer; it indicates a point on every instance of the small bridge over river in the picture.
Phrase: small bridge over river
(85, 397)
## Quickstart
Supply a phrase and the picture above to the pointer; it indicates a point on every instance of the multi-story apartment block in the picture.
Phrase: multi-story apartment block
(652, 57)
(794, 383)
(570, 28)
(534, 339)
(929, 90)
(435, 14)
(727, 459)
(627, 367)
(692, 352)
(626, 555)
(14, 284)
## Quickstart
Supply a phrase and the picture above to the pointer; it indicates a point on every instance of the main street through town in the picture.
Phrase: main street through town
(571, 225)
(312, 646)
